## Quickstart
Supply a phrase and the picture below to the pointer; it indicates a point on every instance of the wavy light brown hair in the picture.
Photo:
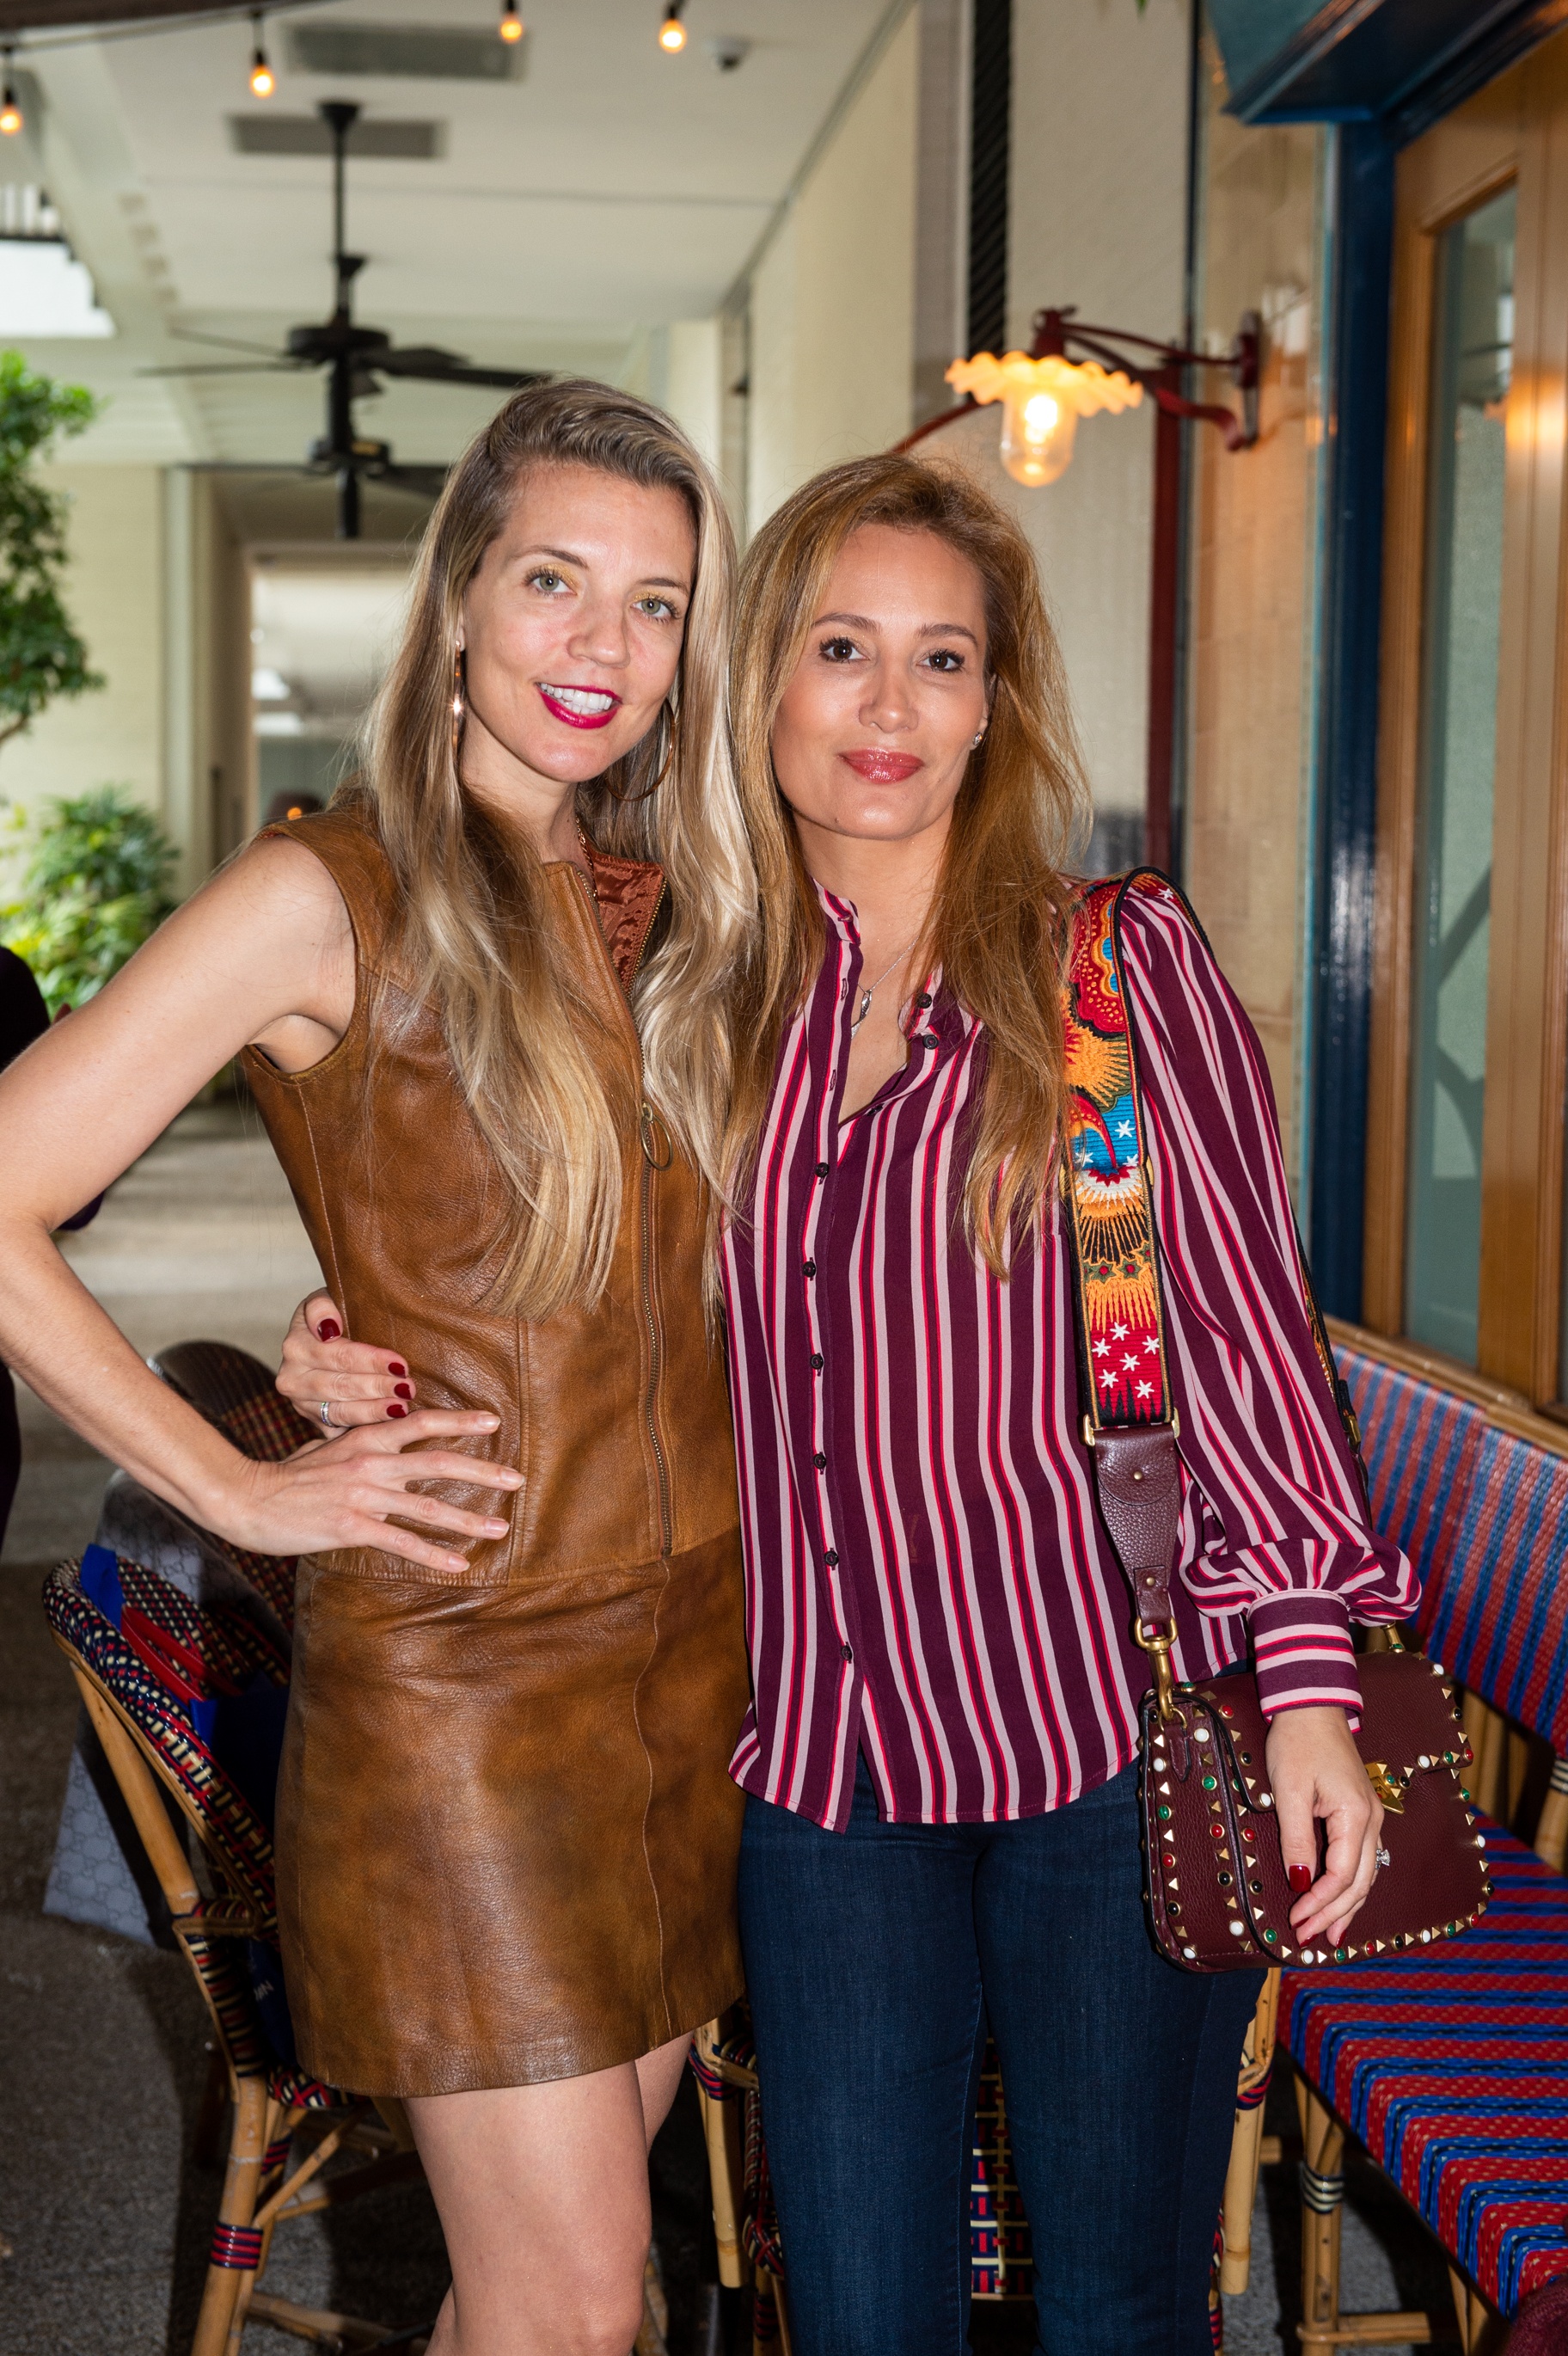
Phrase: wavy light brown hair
(475, 927)
(997, 922)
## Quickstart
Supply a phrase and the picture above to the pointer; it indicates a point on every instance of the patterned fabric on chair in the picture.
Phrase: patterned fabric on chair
(188, 1702)
(1419, 1443)
(1453, 2071)
(1498, 1618)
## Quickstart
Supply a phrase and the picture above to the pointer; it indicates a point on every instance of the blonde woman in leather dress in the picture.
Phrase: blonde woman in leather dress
(476, 1005)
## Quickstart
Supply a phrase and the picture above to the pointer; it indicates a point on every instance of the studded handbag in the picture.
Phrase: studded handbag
(1215, 1881)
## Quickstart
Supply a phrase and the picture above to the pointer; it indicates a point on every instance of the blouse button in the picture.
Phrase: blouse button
(922, 998)
(809, 1267)
(817, 1361)
(849, 1655)
(831, 1557)
(820, 1461)
(822, 1169)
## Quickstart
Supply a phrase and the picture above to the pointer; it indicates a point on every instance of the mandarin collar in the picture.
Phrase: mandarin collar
(941, 1019)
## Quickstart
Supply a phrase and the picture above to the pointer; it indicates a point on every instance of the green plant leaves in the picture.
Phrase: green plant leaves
(94, 887)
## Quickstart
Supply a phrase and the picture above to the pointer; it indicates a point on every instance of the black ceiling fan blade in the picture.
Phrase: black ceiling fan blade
(249, 467)
(433, 368)
(222, 343)
(425, 482)
(225, 367)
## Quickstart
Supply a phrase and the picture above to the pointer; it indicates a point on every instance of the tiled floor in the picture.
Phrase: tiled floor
(107, 2210)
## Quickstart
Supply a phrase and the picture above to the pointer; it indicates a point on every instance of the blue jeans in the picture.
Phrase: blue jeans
(875, 1960)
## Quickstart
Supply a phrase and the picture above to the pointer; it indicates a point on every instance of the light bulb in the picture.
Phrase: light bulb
(264, 80)
(10, 114)
(672, 35)
(511, 24)
(1038, 430)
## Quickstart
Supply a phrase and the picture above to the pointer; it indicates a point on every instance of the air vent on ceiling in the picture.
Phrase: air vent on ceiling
(442, 52)
(307, 135)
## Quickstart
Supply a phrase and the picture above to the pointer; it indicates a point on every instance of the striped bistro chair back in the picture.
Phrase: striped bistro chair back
(188, 1702)
(1451, 2066)
(1419, 1444)
(236, 1393)
(1498, 1617)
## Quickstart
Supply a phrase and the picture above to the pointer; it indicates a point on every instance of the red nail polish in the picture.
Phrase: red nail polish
(328, 1329)
(396, 1367)
(403, 1391)
(1300, 1878)
(395, 1410)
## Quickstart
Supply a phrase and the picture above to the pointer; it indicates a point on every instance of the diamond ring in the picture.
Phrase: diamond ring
(325, 1412)
(1383, 1857)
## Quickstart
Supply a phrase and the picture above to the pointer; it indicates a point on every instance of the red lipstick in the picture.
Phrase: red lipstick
(881, 767)
(579, 707)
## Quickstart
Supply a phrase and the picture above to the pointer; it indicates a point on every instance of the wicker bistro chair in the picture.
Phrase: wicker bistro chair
(187, 1702)
(1001, 2255)
(1451, 2066)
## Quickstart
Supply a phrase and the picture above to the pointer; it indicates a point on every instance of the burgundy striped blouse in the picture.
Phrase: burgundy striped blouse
(927, 1577)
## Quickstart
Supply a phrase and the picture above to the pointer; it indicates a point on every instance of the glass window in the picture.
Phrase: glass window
(1472, 355)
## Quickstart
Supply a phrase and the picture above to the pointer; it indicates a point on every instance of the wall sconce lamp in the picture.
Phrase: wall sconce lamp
(1044, 391)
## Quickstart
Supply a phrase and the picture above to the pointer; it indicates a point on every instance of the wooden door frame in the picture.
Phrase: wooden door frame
(1514, 131)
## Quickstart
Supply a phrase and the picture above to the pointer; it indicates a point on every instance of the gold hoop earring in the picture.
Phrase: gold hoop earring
(459, 700)
(668, 722)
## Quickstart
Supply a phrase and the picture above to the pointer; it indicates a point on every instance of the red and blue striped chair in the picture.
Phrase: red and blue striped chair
(1419, 1444)
(1452, 2069)
(187, 1701)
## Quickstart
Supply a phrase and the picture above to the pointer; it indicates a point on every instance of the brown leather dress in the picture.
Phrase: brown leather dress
(506, 1838)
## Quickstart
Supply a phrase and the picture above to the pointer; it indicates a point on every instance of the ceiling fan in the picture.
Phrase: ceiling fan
(356, 358)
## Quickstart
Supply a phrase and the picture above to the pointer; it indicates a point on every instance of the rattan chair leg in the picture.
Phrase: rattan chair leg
(1322, 2202)
(247, 2146)
(721, 2131)
(1246, 2143)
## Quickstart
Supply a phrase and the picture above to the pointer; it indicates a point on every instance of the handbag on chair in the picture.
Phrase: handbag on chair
(1215, 1879)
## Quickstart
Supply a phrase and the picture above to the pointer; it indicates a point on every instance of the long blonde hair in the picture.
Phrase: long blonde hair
(998, 920)
(474, 929)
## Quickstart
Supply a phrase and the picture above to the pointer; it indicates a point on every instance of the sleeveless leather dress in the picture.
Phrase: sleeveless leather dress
(506, 1834)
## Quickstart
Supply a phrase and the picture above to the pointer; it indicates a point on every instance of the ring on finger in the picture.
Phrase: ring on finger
(1382, 1858)
(327, 1417)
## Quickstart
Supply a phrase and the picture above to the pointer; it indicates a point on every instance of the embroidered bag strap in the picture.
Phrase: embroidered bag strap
(1130, 1422)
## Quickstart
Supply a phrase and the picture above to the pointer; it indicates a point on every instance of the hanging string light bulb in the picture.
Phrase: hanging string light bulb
(511, 24)
(672, 32)
(264, 80)
(11, 115)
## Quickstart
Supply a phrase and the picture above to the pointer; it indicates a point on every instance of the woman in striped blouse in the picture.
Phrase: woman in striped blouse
(942, 1828)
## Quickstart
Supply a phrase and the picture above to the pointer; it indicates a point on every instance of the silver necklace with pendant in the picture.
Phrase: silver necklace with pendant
(866, 995)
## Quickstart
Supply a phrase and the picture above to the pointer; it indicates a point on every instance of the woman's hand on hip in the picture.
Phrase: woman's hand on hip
(1317, 1777)
(342, 1493)
(357, 1382)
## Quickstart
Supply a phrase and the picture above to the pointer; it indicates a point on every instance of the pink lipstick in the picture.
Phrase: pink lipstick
(579, 707)
(880, 768)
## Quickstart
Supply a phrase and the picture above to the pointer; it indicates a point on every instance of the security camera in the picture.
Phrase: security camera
(729, 50)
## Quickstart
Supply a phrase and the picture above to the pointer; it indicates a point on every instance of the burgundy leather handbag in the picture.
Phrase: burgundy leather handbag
(1215, 1881)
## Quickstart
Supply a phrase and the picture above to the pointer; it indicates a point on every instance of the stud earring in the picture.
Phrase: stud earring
(459, 703)
(975, 739)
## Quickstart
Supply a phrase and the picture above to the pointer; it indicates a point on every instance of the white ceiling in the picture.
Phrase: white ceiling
(610, 190)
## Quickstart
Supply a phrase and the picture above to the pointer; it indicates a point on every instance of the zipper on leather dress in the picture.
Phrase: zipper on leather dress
(657, 1155)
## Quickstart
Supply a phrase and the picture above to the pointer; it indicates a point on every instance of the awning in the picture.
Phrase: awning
(1407, 61)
